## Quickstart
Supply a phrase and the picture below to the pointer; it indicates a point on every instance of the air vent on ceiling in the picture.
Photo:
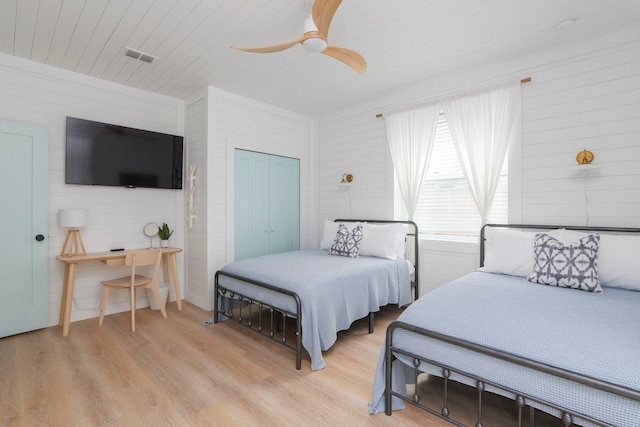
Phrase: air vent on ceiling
(136, 54)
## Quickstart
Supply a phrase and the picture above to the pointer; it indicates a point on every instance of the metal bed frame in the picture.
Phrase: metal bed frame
(522, 400)
(269, 320)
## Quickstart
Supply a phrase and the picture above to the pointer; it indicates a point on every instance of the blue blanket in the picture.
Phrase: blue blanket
(334, 291)
(597, 335)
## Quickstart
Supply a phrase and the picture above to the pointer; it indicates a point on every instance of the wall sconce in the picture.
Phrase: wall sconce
(585, 165)
(73, 219)
(585, 157)
(346, 178)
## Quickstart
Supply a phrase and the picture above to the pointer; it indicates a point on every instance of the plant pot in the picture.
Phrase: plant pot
(164, 293)
(164, 243)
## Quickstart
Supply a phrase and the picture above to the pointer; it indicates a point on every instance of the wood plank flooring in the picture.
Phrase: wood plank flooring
(177, 372)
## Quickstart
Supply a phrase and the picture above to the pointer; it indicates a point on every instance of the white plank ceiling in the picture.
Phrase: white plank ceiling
(404, 41)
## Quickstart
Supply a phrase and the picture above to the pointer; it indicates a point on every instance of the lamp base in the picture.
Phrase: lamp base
(73, 245)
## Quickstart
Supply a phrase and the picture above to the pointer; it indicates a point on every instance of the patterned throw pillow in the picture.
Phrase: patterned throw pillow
(574, 266)
(347, 243)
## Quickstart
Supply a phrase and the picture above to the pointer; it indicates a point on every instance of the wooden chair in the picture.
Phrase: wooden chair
(135, 281)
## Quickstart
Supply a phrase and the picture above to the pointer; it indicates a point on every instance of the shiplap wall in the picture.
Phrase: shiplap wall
(353, 144)
(583, 97)
(231, 122)
(42, 95)
(196, 288)
(591, 101)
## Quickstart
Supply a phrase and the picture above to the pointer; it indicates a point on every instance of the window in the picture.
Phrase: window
(446, 207)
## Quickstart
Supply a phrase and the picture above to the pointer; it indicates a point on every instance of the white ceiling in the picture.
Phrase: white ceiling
(403, 41)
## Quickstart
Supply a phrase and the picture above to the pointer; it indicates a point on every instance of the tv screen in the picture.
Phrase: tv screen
(104, 154)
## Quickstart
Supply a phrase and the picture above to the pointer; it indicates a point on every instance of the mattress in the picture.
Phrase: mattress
(591, 334)
(334, 291)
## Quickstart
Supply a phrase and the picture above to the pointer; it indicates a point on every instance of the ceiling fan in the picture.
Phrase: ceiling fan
(314, 39)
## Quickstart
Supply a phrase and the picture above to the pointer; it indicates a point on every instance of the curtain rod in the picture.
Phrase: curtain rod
(525, 80)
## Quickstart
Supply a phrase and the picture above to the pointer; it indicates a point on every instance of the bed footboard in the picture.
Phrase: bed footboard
(265, 319)
(522, 400)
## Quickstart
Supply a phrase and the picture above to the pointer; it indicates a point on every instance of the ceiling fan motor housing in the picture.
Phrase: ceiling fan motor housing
(313, 44)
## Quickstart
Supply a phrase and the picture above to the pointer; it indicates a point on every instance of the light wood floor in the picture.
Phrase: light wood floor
(177, 372)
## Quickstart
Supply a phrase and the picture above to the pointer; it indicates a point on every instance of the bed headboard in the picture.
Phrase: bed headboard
(612, 230)
(413, 253)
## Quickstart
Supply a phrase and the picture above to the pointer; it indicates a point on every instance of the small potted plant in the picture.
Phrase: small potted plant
(164, 233)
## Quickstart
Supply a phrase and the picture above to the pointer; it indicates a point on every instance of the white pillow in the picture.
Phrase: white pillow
(508, 251)
(619, 261)
(331, 229)
(618, 257)
(382, 241)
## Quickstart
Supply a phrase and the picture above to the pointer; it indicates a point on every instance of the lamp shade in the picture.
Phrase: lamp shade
(73, 218)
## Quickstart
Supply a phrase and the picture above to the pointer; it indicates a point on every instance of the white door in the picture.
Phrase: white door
(23, 214)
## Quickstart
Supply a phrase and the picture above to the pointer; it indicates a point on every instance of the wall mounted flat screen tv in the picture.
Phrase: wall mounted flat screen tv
(105, 154)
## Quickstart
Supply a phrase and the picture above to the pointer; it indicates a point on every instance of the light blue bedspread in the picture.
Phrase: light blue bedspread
(334, 291)
(597, 335)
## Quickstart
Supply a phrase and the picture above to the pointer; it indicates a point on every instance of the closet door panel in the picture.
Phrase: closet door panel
(251, 204)
(284, 204)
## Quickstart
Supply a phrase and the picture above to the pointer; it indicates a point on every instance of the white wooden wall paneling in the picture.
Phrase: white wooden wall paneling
(588, 101)
(237, 122)
(42, 95)
(196, 286)
(353, 144)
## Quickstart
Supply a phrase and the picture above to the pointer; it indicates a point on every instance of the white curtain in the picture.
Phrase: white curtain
(482, 126)
(410, 136)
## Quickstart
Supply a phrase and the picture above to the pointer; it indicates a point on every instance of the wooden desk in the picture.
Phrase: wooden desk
(109, 258)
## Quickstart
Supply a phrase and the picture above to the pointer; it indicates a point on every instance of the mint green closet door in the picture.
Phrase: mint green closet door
(24, 289)
(251, 218)
(267, 204)
(284, 204)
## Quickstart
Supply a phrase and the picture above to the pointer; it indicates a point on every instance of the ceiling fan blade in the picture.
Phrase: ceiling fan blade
(350, 57)
(322, 12)
(269, 49)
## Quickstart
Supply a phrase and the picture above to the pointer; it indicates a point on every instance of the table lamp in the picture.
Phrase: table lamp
(73, 219)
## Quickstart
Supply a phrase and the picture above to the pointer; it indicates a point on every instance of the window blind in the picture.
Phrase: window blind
(446, 206)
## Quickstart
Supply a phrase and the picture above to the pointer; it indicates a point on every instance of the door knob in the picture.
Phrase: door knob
(39, 237)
